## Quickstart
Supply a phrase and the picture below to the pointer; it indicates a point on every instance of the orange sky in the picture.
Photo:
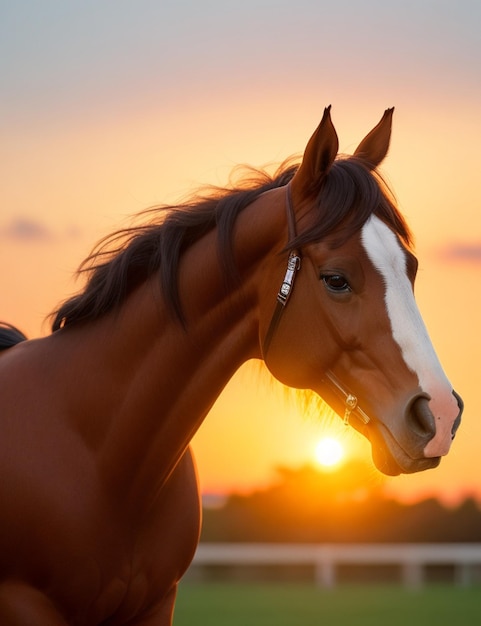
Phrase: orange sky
(105, 112)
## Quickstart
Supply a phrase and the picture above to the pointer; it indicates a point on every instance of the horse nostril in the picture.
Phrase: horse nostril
(420, 418)
(457, 421)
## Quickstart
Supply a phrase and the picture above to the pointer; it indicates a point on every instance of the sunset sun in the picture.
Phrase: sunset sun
(329, 452)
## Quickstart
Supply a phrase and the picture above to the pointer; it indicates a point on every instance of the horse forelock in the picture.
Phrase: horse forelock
(348, 195)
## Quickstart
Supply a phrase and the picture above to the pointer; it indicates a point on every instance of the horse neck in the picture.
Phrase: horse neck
(158, 379)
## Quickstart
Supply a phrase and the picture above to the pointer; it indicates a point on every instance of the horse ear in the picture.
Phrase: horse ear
(373, 148)
(317, 160)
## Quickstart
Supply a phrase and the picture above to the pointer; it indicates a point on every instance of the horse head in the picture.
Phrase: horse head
(349, 327)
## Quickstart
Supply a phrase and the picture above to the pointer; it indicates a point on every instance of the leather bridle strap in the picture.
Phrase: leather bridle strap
(345, 398)
(293, 265)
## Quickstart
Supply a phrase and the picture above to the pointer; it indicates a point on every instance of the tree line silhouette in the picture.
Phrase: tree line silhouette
(347, 505)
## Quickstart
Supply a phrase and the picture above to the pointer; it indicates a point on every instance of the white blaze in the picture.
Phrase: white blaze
(409, 331)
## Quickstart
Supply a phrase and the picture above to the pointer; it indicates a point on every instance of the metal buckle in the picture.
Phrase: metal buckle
(349, 399)
(351, 403)
(293, 264)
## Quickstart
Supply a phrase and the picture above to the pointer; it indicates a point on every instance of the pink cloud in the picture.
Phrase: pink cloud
(470, 252)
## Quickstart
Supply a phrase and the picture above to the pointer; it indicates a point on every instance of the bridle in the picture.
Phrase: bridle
(347, 400)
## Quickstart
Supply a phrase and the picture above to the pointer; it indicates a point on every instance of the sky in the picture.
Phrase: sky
(110, 107)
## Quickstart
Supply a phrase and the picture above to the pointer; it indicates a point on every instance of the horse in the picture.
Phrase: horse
(310, 269)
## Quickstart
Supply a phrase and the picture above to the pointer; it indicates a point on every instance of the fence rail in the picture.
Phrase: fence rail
(325, 559)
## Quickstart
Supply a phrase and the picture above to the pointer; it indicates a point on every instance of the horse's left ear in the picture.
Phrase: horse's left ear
(373, 148)
(318, 157)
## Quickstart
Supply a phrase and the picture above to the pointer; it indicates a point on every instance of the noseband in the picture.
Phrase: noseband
(348, 400)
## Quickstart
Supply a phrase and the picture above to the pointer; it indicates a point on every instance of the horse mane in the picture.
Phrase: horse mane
(10, 336)
(120, 262)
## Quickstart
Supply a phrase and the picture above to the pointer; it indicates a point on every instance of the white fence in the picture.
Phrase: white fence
(325, 559)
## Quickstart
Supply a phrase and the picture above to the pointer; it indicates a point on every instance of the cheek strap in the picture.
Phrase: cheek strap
(293, 266)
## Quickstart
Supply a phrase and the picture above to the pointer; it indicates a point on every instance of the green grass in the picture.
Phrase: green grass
(230, 604)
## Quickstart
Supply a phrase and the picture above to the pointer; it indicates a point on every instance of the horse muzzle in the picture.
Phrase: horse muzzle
(416, 443)
(403, 440)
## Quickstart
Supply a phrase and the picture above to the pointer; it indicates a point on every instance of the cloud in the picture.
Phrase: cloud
(469, 252)
(26, 230)
(23, 229)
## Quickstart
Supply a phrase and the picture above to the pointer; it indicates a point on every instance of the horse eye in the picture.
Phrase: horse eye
(336, 283)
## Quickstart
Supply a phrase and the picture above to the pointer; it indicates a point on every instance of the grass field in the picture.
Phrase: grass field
(218, 604)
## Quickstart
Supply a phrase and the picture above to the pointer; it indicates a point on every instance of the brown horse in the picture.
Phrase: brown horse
(99, 504)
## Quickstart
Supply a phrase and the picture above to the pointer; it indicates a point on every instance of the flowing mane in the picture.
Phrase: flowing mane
(120, 262)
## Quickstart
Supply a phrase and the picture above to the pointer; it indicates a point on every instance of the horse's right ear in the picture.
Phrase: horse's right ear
(317, 160)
